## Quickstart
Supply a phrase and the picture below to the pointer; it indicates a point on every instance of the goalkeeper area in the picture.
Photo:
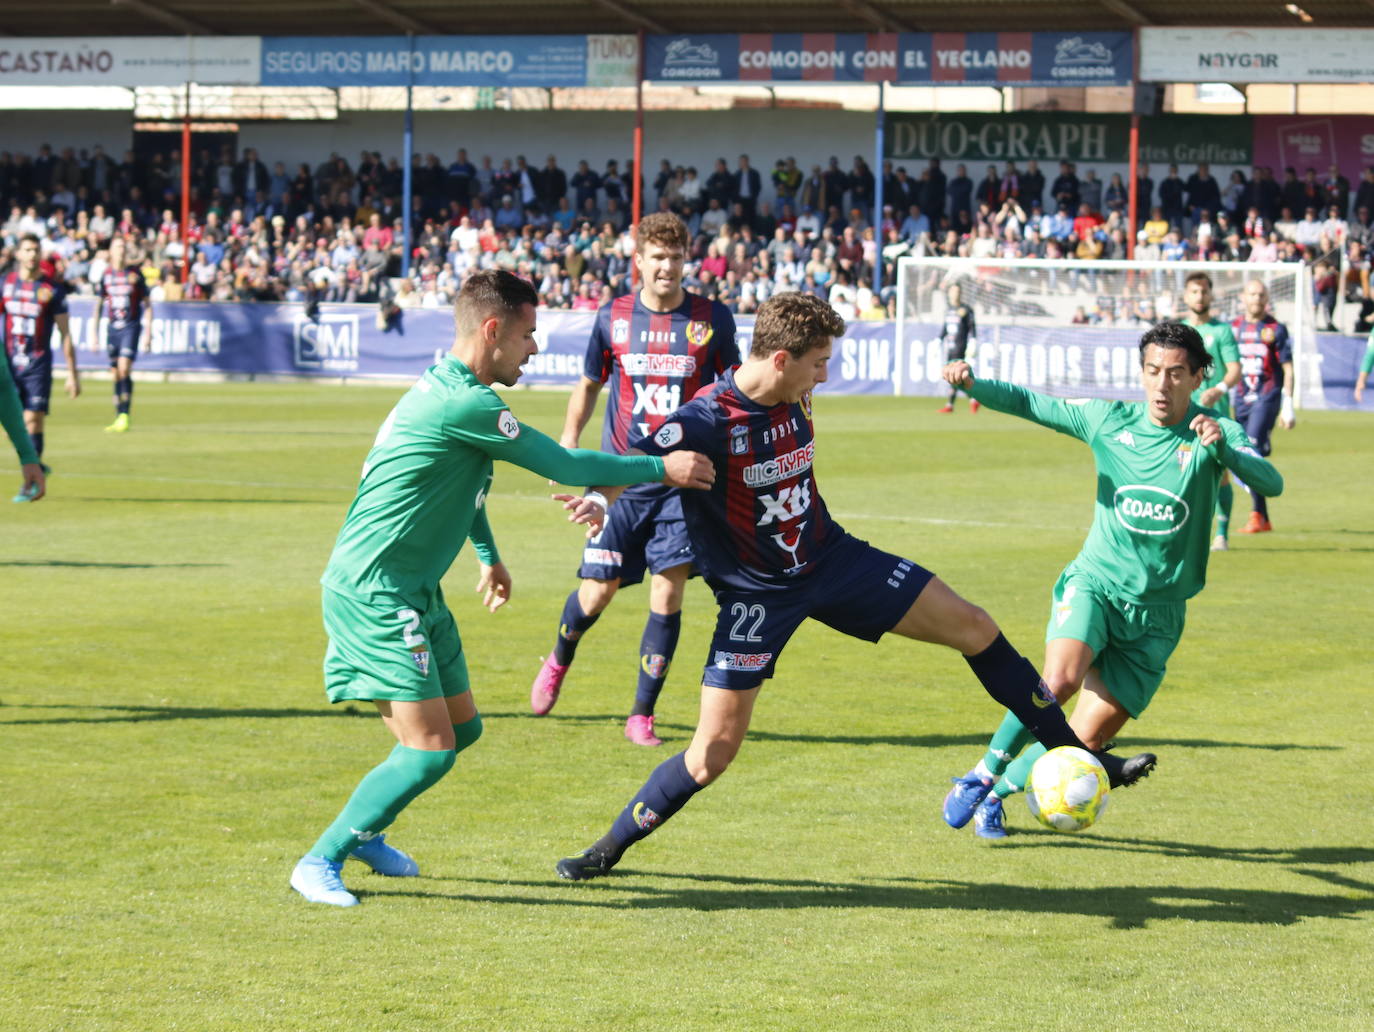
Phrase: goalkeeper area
(1072, 328)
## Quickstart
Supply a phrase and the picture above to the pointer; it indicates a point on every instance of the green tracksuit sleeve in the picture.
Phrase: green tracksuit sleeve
(1078, 418)
(1237, 454)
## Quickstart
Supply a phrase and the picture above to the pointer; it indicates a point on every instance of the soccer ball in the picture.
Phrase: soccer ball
(1068, 789)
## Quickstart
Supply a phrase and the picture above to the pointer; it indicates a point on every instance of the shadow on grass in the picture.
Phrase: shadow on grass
(209, 501)
(1121, 906)
(930, 741)
(140, 714)
(77, 564)
(1195, 850)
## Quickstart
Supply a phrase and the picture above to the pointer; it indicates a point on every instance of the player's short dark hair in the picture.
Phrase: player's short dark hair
(32, 238)
(1199, 276)
(1171, 335)
(662, 228)
(491, 292)
(794, 323)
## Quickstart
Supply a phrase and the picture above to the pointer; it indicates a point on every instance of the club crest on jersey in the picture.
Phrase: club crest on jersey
(739, 440)
(698, 333)
(806, 404)
(421, 657)
(508, 424)
(1184, 455)
(620, 331)
(44, 295)
(1267, 335)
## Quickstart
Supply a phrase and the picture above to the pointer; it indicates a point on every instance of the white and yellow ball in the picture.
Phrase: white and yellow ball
(1068, 789)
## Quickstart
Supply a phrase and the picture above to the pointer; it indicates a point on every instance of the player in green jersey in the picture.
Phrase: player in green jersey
(1215, 390)
(1118, 608)
(12, 419)
(1366, 367)
(392, 639)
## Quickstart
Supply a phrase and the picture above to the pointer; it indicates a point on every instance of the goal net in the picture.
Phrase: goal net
(1072, 328)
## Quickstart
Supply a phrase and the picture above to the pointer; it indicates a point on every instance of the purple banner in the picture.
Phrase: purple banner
(1340, 364)
(345, 341)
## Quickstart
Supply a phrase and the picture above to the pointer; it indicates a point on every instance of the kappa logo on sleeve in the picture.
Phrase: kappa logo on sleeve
(668, 435)
(508, 424)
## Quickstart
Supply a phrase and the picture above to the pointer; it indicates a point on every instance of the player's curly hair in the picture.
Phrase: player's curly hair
(662, 228)
(1170, 335)
(794, 323)
(491, 292)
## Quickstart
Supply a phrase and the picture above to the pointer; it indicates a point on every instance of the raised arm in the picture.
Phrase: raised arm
(1075, 418)
(1227, 439)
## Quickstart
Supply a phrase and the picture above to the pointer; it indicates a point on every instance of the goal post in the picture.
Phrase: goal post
(1072, 328)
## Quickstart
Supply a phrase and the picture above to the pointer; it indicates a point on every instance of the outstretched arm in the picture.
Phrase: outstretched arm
(1077, 419)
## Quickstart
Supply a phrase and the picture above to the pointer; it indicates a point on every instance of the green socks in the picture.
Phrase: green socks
(1010, 738)
(1016, 775)
(383, 793)
(1225, 496)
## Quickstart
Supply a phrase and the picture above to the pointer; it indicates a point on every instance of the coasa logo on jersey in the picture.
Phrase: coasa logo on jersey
(741, 660)
(658, 365)
(1143, 509)
(770, 471)
(327, 343)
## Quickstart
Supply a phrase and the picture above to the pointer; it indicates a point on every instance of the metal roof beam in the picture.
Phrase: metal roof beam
(185, 26)
(398, 18)
(634, 16)
(880, 20)
(1126, 11)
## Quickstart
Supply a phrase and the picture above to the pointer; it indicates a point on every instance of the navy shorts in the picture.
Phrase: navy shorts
(642, 532)
(33, 379)
(122, 342)
(857, 589)
(1258, 414)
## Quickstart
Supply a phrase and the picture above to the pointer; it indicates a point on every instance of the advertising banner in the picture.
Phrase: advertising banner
(130, 60)
(1189, 139)
(1238, 55)
(495, 61)
(343, 341)
(908, 58)
(1045, 136)
(1315, 141)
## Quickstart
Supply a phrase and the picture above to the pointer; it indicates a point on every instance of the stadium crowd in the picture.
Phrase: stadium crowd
(334, 232)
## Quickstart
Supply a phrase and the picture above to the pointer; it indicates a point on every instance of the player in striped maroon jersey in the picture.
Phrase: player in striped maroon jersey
(765, 543)
(655, 348)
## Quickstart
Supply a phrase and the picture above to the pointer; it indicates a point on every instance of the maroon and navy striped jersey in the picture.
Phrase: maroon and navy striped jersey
(123, 292)
(655, 361)
(31, 308)
(763, 524)
(1264, 347)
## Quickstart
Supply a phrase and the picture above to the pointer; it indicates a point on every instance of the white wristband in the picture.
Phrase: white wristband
(598, 498)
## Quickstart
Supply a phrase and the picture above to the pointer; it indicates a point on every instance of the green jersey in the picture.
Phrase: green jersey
(425, 483)
(1156, 488)
(1221, 345)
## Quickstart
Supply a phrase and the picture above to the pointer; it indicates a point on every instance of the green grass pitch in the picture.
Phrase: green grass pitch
(168, 753)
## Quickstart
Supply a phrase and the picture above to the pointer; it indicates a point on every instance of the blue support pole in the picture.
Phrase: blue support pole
(408, 150)
(877, 219)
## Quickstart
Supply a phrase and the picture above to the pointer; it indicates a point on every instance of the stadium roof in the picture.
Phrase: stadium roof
(495, 17)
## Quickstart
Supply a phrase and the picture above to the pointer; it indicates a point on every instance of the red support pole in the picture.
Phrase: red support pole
(637, 186)
(186, 190)
(1133, 211)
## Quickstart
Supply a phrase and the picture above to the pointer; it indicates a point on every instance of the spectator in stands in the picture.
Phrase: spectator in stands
(1171, 197)
(1090, 191)
(1307, 234)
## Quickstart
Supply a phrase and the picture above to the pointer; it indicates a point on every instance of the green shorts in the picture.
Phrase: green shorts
(1131, 643)
(388, 650)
